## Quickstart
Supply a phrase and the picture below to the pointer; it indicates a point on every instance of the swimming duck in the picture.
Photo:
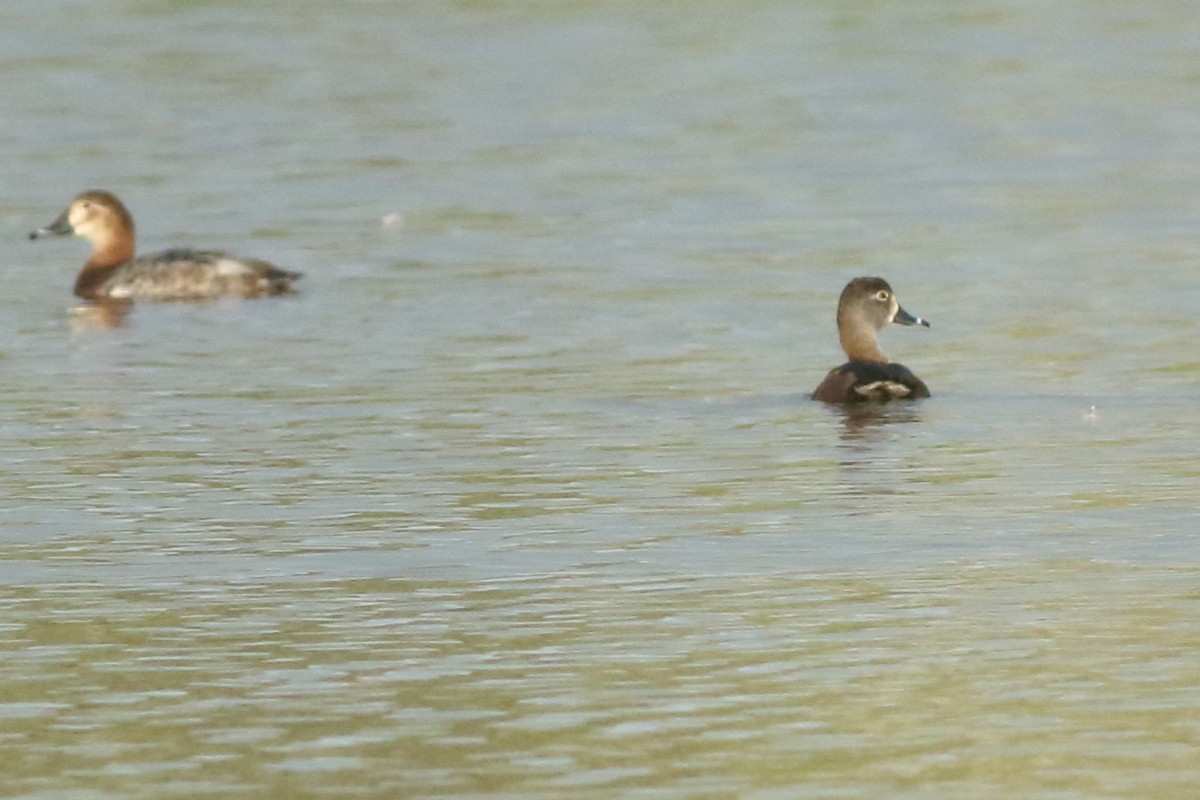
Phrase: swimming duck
(866, 305)
(112, 273)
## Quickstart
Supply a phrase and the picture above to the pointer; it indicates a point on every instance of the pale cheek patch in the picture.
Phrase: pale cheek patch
(882, 390)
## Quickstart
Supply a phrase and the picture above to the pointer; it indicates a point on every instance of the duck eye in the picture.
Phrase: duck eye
(881, 296)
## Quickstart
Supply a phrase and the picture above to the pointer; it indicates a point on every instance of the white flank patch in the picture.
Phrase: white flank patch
(230, 266)
(883, 389)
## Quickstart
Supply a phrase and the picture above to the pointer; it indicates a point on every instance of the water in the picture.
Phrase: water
(522, 496)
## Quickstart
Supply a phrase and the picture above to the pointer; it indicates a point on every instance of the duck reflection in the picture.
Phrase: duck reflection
(866, 422)
(875, 458)
(96, 315)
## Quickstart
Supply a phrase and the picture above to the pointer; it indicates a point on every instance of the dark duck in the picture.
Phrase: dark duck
(866, 305)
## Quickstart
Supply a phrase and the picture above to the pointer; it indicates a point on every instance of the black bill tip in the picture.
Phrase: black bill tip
(904, 318)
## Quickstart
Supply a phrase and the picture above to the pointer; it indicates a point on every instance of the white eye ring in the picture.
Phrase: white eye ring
(882, 296)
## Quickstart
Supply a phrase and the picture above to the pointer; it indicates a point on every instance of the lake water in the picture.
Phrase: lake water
(523, 496)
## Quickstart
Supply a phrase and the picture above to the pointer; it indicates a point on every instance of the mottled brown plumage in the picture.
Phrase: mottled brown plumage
(113, 273)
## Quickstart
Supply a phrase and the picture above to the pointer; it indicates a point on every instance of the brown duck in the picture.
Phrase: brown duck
(113, 273)
(866, 305)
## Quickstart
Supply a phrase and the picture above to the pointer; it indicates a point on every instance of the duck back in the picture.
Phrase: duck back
(182, 273)
(865, 381)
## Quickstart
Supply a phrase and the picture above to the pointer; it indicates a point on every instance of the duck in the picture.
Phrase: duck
(865, 306)
(113, 273)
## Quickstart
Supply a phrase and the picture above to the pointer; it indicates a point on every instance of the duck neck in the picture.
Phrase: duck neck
(861, 344)
(111, 247)
(91, 277)
(109, 251)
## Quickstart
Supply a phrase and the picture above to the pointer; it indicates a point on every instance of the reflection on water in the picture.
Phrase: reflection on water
(862, 422)
(99, 314)
(519, 497)
(759, 685)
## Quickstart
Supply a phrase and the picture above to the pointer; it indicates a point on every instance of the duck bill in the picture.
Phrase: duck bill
(60, 227)
(904, 318)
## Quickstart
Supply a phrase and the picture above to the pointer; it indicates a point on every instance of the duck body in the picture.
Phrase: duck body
(183, 274)
(114, 273)
(863, 381)
(865, 306)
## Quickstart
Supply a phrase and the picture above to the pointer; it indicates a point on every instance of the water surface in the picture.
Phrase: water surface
(522, 496)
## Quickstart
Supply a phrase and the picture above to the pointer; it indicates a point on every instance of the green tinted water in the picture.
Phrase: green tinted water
(523, 496)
